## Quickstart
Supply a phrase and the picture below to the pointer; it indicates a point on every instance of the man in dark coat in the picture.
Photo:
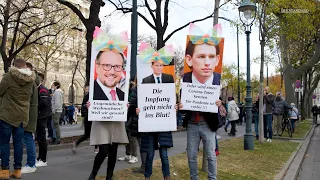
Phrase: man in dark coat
(157, 140)
(109, 70)
(315, 111)
(44, 115)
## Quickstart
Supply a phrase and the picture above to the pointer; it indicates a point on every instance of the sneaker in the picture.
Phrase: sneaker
(40, 163)
(133, 160)
(27, 169)
(269, 140)
(125, 158)
(218, 137)
(74, 147)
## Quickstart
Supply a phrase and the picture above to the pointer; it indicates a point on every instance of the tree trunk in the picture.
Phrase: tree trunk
(216, 12)
(303, 99)
(6, 64)
(289, 84)
(72, 80)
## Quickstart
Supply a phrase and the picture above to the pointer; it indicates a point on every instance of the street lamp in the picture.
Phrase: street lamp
(134, 39)
(247, 14)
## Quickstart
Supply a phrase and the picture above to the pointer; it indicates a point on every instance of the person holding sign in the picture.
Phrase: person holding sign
(158, 132)
(109, 64)
(202, 57)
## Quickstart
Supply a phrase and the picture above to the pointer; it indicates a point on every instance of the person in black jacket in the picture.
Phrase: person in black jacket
(315, 112)
(45, 113)
(255, 112)
(87, 124)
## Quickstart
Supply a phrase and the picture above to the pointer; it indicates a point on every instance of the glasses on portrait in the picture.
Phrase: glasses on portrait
(107, 67)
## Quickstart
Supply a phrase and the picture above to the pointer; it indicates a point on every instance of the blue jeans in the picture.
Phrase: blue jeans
(217, 146)
(164, 159)
(292, 123)
(6, 130)
(195, 133)
(179, 119)
(227, 124)
(267, 123)
(31, 148)
(256, 123)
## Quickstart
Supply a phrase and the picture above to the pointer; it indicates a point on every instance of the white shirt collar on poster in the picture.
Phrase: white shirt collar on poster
(107, 90)
(208, 82)
(155, 78)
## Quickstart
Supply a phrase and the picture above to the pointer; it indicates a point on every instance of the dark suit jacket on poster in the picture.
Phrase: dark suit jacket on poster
(165, 78)
(98, 93)
(216, 78)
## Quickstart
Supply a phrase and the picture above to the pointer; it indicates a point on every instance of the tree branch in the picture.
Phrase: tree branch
(74, 9)
(166, 15)
(150, 10)
(309, 64)
(180, 28)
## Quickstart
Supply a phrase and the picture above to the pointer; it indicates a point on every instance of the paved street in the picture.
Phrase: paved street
(63, 165)
(311, 164)
(71, 130)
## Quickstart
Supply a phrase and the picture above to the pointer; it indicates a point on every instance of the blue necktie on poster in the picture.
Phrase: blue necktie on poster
(158, 78)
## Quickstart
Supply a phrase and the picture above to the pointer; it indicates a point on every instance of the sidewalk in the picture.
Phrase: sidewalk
(310, 168)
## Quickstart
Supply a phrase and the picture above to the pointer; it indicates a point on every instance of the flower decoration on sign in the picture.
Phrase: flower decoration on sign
(163, 56)
(104, 42)
(197, 36)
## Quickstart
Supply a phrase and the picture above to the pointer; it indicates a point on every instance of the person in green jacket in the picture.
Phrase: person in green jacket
(28, 139)
(15, 92)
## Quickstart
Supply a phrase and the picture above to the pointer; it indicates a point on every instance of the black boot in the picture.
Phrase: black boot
(109, 176)
(92, 176)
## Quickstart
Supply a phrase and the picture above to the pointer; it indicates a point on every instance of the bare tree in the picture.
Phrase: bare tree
(22, 23)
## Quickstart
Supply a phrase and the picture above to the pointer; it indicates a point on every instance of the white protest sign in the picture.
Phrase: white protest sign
(200, 97)
(157, 107)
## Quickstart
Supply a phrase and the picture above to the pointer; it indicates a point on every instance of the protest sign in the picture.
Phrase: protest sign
(109, 81)
(156, 89)
(202, 70)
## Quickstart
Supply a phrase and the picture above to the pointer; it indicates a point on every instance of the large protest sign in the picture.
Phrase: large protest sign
(202, 69)
(156, 89)
(109, 81)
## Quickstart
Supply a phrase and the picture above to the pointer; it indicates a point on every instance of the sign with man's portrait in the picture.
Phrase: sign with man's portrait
(109, 81)
(202, 70)
(156, 89)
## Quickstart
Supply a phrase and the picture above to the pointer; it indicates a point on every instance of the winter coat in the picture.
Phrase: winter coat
(15, 94)
(44, 99)
(162, 139)
(57, 101)
(33, 112)
(71, 110)
(84, 109)
(279, 106)
(233, 111)
(255, 107)
(132, 123)
(267, 103)
(315, 110)
(294, 114)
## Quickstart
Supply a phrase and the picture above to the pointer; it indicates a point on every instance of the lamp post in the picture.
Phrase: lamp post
(247, 14)
(134, 39)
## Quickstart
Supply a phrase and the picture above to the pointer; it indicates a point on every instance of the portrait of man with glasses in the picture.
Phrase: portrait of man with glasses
(109, 67)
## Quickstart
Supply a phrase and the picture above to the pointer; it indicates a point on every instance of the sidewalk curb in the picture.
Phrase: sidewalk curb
(291, 168)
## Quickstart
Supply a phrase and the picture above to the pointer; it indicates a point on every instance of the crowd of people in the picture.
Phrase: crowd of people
(27, 107)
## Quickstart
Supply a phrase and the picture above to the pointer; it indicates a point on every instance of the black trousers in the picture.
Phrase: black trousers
(105, 150)
(233, 127)
(41, 138)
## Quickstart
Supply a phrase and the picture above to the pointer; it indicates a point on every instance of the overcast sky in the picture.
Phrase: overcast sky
(184, 11)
